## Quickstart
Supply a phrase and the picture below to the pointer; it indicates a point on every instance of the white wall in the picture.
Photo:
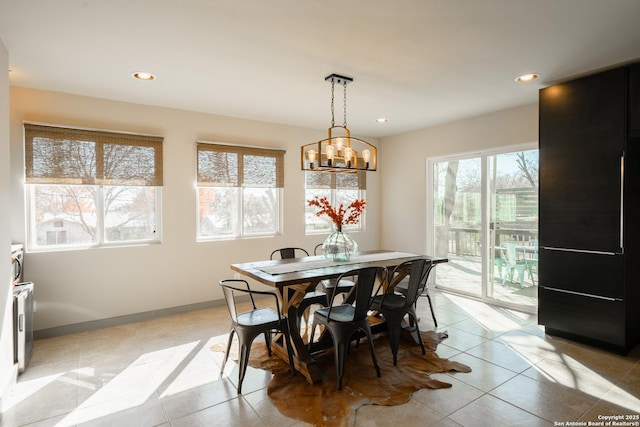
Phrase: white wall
(403, 166)
(87, 285)
(79, 286)
(7, 370)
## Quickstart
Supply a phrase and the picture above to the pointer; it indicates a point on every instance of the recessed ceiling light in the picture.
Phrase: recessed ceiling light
(141, 75)
(527, 77)
(382, 120)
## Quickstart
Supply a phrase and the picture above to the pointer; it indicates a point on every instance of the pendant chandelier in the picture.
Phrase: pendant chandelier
(342, 153)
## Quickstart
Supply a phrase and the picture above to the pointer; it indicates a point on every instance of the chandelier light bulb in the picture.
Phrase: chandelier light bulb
(330, 154)
(348, 153)
(366, 155)
(312, 157)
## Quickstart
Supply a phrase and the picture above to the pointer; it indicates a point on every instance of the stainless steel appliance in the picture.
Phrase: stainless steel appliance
(23, 324)
(22, 309)
(17, 262)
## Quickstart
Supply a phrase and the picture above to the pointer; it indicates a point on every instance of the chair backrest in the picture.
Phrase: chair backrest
(318, 249)
(287, 253)
(234, 288)
(362, 292)
(419, 270)
(418, 277)
(229, 289)
(508, 252)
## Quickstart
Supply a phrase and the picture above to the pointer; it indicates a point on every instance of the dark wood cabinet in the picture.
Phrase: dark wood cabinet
(588, 273)
(589, 177)
(634, 100)
(582, 136)
(582, 317)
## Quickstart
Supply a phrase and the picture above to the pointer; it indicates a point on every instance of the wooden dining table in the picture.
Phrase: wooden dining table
(293, 278)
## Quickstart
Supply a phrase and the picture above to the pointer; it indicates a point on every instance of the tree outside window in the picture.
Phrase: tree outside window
(90, 188)
(239, 191)
(337, 188)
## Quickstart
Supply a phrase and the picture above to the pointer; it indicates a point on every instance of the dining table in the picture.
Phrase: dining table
(294, 278)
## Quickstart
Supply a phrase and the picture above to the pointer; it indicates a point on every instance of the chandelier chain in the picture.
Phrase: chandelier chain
(344, 106)
(333, 121)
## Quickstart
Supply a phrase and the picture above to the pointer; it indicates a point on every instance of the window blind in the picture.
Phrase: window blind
(222, 165)
(59, 155)
(333, 181)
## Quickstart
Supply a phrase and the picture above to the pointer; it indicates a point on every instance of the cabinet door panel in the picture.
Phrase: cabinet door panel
(582, 134)
(592, 274)
(588, 318)
(634, 100)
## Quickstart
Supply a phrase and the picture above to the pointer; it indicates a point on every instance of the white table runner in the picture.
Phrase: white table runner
(292, 267)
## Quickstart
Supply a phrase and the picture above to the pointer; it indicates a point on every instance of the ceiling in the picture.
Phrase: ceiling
(415, 62)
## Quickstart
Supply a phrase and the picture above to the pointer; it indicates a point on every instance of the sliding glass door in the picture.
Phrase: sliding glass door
(483, 213)
(457, 223)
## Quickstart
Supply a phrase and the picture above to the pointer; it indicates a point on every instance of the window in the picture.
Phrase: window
(239, 191)
(89, 188)
(337, 188)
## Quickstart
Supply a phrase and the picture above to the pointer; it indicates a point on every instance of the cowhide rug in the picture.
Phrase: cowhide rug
(321, 404)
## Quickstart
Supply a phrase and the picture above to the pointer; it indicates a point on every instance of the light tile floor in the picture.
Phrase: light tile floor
(162, 372)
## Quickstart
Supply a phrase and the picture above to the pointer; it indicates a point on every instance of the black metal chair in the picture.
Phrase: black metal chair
(286, 253)
(423, 291)
(248, 325)
(329, 286)
(345, 320)
(314, 297)
(394, 306)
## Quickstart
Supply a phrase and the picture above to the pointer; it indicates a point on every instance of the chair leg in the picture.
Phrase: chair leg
(267, 340)
(530, 270)
(287, 337)
(499, 264)
(372, 350)
(415, 307)
(313, 334)
(521, 275)
(413, 315)
(340, 354)
(226, 353)
(245, 349)
(394, 329)
(340, 347)
(433, 314)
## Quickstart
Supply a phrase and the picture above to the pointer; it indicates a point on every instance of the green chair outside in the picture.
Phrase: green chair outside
(512, 263)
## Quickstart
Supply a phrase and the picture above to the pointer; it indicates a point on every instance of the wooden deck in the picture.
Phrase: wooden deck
(462, 274)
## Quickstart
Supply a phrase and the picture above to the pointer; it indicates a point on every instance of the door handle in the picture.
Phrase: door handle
(622, 203)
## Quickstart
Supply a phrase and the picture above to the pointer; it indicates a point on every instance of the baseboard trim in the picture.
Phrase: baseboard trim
(121, 320)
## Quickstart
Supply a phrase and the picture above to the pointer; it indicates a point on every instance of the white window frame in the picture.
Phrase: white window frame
(43, 141)
(99, 240)
(240, 232)
(333, 199)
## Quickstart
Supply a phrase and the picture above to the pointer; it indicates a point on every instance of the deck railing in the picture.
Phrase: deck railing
(466, 241)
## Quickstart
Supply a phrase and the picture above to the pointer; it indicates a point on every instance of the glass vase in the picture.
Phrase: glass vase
(339, 246)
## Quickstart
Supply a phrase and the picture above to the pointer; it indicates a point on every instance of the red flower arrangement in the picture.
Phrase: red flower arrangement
(337, 215)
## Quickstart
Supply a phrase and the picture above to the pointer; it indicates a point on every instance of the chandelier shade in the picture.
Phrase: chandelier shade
(341, 153)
